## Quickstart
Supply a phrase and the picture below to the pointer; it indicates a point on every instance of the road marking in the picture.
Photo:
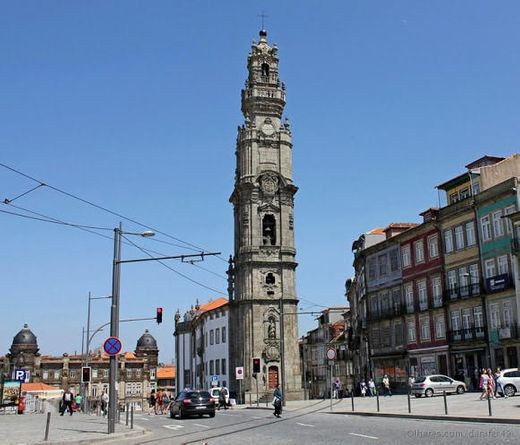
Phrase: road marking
(304, 424)
(204, 426)
(363, 435)
(173, 427)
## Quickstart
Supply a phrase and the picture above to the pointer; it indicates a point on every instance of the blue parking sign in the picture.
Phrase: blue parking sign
(21, 374)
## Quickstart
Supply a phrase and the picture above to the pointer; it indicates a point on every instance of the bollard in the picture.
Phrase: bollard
(409, 404)
(127, 413)
(377, 399)
(47, 425)
(352, 398)
(118, 415)
(132, 417)
(445, 403)
(489, 405)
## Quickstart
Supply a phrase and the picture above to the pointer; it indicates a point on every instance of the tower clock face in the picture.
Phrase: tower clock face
(268, 129)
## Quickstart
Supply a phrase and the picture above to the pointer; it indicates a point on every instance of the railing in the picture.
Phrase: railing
(467, 334)
(463, 292)
(504, 333)
(389, 312)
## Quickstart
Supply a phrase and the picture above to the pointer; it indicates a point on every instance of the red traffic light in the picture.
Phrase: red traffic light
(85, 374)
(256, 365)
(158, 317)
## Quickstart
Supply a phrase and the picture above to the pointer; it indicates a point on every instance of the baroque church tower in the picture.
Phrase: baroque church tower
(262, 290)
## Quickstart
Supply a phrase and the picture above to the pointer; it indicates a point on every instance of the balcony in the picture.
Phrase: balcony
(515, 245)
(389, 312)
(463, 292)
(503, 333)
(467, 334)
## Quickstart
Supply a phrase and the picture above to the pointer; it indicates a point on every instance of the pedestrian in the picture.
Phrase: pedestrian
(484, 384)
(386, 386)
(277, 401)
(78, 400)
(337, 385)
(104, 403)
(491, 383)
(498, 385)
(222, 398)
(371, 387)
(363, 388)
(151, 403)
(165, 401)
(159, 403)
(67, 400)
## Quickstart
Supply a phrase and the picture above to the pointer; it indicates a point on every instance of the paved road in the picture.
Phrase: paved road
(315, 424)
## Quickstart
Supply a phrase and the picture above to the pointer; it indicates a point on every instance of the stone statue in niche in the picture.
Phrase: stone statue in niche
(271, 329)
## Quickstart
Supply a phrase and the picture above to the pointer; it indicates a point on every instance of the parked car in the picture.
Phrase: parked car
(509, 380)
(215, 393)
(435, 384)
(192, 403)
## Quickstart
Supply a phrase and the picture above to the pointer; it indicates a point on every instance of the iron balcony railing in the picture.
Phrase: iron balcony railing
(467, 334)
(463, 292)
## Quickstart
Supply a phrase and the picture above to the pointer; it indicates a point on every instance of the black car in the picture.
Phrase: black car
(192, 403)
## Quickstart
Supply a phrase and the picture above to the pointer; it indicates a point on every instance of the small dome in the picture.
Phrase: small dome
(263, 33)
(25, 337)
(146, 341)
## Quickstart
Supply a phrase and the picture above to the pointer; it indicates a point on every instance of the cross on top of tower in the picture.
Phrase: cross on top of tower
(263, 16)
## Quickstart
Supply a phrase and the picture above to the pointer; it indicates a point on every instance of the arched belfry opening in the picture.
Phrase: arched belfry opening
(269, 230)
(265, 69)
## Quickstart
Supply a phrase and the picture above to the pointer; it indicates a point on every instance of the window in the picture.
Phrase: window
(470, 233)
(425, 329)
(383, 266)
(217, 337)
(94, 373)
(223, 336)
(398, 334)
(269, 230)
(409, 297)
(448, 241)
(459, 237)
(128, 374)
(467, 319)
(371, 268)
(419, 251)
(463, 281)
(494, 316)
(509, 224)
(45, 375)
(502, 265)
(474, 279)
(217, 366)
(433, 249)
(211, 337)
(454, 197)
(73, 373)
(489, 265)
(423, 294)
(437, 291)
(405, 253)
(485, 227)
(452, 283)
(394, 260)
(57, 375)
(464, 193)
(223, 370)
(411, 332)
(440, 327)
(269, 279)
(498, 225)
(455, 320)
(508, 314)
(477, 317)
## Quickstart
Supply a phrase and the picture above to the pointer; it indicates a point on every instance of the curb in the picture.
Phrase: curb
(436, 417)
(138, 431)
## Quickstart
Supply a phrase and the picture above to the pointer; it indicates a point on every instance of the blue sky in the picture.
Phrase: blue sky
(134, 106)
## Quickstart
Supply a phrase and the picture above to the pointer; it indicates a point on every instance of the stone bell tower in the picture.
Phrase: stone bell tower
(262, 292)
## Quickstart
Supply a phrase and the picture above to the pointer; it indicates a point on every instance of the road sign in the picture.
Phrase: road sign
(331, 353)
(21, 374)
(239, 373)
(112, 346)
(214, 379)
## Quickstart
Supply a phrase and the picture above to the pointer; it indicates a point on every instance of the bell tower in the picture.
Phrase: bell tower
(262, 291)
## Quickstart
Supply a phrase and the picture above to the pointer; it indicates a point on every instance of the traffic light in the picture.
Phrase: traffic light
(159, 315)
(85, 374)
(256, 365)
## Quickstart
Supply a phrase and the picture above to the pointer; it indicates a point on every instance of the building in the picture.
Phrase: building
(137, 370)
(262, 282)
(166, 378)
(201, 345)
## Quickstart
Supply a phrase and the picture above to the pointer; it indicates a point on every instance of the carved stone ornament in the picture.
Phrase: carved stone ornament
(268, 251)
(272, 352)
(269, 184)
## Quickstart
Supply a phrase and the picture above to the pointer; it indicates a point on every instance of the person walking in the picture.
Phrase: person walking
(151, 403)
(78, 400)
(222, 398)
(104, 403)
(484, 384)
(386, 386)
(363, 388)
(498, 385)
(159, 403)
(277, 401)
(491, 384)
(67, 400)
(371, 387)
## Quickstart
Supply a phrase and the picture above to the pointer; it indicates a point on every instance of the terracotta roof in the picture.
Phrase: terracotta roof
(219, 302)
(166, 372)
(376, 231)
(38, 387)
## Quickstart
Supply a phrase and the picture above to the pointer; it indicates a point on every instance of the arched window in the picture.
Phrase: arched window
(269, 230)
(269, 279)
(265, 69)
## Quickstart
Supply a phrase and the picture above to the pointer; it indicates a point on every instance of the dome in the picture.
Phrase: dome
(146, 341)
(25, 337)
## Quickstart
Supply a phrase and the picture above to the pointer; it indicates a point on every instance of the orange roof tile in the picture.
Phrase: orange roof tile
(219, 302)
(166, 372)
(38, 387)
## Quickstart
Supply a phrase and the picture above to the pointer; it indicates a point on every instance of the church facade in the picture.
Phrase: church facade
(262, 290)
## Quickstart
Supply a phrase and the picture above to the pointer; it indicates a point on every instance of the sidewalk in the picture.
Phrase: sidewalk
(466, 407)
(29, 429)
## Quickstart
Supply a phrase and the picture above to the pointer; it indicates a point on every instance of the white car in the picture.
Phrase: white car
(509, 381)
(215, 393)
(430, 385)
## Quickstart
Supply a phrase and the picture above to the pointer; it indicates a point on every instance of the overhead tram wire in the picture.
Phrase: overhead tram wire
(70, 195)
(174, 270)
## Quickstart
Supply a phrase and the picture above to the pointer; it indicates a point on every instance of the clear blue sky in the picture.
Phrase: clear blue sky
(134, 106)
